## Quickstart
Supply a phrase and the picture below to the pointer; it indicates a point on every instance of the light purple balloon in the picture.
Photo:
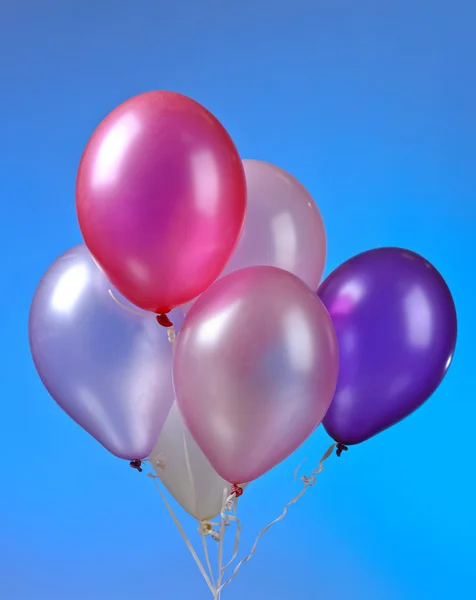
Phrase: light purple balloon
(108, 369)
(255, 370)
(283, 226)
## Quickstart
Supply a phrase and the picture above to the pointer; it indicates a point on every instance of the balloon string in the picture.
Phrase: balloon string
(223, 520)
(190, 474)
(124, 307)
(195, 506)
(185, 537)
(228, 514)
(171, 335)
(207, 557)
(236, 545)
(308, 481)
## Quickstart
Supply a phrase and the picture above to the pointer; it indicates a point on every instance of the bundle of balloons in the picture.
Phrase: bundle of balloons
(191, 329)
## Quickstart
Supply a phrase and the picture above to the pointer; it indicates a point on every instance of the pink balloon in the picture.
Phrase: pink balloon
(283, 226)
(255, 370)
(161, 199)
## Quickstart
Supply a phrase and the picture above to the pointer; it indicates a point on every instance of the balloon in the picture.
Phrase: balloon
(396, 325)
(186, 472)
(109, 370)
(255, 370)
(283, 226)
(161, 199)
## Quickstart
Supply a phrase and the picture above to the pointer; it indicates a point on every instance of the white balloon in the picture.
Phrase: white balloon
(185, 471)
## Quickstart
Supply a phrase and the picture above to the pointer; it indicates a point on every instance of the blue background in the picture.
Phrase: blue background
(372, 105)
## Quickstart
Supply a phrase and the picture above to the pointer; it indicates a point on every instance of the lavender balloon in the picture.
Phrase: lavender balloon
(108, 369)
(395, 321)
(255, 370)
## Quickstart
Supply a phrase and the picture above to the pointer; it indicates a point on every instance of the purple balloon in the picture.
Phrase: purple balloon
(395, 321)
(108, 369)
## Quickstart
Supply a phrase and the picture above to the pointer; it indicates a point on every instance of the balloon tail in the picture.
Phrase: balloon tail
(136, 464)
(341, 448)
(163, 319)
(167, 323)
(308, 481)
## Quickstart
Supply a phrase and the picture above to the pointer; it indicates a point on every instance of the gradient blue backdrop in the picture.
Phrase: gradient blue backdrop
(372, 105)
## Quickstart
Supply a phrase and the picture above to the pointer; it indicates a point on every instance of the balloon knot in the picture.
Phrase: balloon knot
(237, 490)
(136, 464)
(341, 448)
(163, 320)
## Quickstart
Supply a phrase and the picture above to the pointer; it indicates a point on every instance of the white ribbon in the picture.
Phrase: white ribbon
(228, 515)
(188, 543)
(308, 481)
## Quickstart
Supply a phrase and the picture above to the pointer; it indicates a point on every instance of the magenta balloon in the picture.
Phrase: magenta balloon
(283, 226)
(109, 370)
(161, 199)
(255, 370)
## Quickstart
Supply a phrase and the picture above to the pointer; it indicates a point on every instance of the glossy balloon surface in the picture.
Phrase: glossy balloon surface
(108, 369)
(395, 321)
(255, 370)
(161, 199)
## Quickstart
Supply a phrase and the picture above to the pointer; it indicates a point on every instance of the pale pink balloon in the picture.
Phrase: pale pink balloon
(283, 226)
(255, 370)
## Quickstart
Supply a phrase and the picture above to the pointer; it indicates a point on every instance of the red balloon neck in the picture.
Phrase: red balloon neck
(237, 490)
(163, 320)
